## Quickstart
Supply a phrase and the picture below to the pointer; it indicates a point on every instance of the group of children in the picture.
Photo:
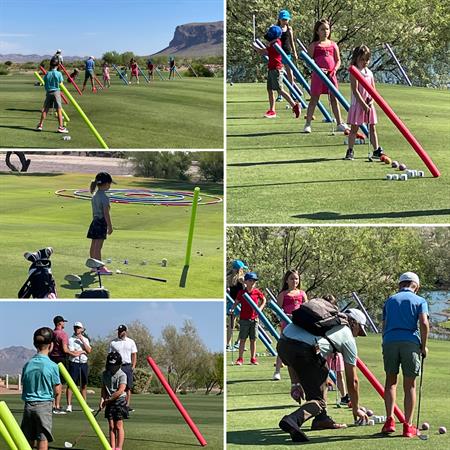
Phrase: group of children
(41, 383)
(325, 54)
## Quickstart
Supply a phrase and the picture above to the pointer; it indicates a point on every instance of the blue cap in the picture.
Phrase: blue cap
(274, 32)
(238, 264)
(284, 14)
(250, 276)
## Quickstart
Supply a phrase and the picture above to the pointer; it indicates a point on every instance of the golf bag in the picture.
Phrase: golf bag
(40, 282)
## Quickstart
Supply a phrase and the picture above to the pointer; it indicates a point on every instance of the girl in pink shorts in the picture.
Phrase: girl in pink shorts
(326, 55)
(289, 299)
(134, 70)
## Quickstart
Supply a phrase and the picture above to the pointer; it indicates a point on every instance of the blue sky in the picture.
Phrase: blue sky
(18, 320)
(92, 27)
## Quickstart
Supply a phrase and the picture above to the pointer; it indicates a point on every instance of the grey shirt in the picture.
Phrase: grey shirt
(112, 382)
(99, 201)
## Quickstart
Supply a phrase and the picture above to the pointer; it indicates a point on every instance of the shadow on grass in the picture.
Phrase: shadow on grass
(165, 441)
(262, 408)
(293, 161)
(262, 133)
(23, 110)
(330, 215)
(274, 436)
(19, 127)
(33, 174)
(305, 182)
(253, 380)
(184, 275)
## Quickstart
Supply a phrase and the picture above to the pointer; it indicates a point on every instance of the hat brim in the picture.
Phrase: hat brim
(362, 330)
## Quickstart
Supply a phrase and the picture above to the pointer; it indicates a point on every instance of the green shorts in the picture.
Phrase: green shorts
(247, 328)
(275, 80)
(405, 354)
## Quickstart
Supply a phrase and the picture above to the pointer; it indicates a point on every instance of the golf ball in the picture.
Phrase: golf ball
(109, 260)
(383, 158)
(394, 164)
(425, 426)
(442, 430)
(395, 177)
(371, 422)
(144, 263)
(389, 176)
(421, 173)
(231, 84)
(403, 177)
(364, 410)
(164, 262)
(402, 166)
(388, 160)
(369, 412)
(67, 138)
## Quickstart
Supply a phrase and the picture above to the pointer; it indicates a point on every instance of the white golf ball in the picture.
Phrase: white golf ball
(371, 422)
(109, 260)
(395, 177)
(67, 138)
(403, 177)
(421, 173)
(389, 176)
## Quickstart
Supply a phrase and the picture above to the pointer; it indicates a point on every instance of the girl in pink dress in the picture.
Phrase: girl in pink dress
(326, 55)
(362, 109)
(289, 299)
(106, 75)
(134, 70)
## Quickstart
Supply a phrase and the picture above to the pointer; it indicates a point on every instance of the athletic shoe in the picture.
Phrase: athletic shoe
(236, 347)
(389, 426)
(130, 409)
(94, 90)
(279, 98)
(276, 376)
(343, 127)
(296, 110)
(349, 156)
(104, 271)
(326, 423)
(307, 128)
(270, 114)
(289, 425)
(58, 411)
(345, 400)
(69, 408)
(229, 349)
(39, 128)
(239, 362)
(378, 153)
(254, 361)
(409, 430)
(62, 130)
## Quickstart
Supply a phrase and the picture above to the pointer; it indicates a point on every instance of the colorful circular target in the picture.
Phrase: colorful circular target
(144, 197)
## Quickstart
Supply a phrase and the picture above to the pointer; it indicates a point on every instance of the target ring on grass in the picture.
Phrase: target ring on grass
(144, 197)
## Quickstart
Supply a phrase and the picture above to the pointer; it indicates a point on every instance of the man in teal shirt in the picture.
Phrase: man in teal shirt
(40, 377)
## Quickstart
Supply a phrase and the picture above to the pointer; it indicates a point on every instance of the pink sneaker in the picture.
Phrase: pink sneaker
(62, 130)
(389, 426)
(239, 362)
(104, 271)
(409, 430)
(254, 361)
(270, 114)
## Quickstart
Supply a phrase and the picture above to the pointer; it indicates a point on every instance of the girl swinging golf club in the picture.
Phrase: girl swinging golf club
(101, 222)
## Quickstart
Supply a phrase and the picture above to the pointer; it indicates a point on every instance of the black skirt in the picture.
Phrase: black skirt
(97, 229)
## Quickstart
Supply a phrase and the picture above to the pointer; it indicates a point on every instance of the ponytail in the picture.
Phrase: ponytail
(92, 186)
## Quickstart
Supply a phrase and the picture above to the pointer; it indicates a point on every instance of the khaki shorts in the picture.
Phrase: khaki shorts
(37, 421)
(405, 354)
(247, 328)
(52, 100)
(275, 80)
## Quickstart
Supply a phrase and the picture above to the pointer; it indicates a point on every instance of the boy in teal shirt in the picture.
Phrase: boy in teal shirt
(52, 80)
(40, 377)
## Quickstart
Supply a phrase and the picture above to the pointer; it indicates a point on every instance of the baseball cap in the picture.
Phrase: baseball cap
(274, 32)
(359, 317)
(284, 14)
(59, 50)
(238, 264)
(114, 359)
(121, 328)
(78, 325)
(251, 276)
(58, 319)
(103, 177)
(409, 276)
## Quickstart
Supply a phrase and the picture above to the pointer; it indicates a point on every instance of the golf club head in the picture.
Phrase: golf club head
(422, 437)
(72, 278)
(118, 271)
(94, 263)
(68, 445)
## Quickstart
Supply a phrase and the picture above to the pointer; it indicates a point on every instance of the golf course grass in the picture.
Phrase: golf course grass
(256, 404)
(277, 174)
(183, 113)
(155, 423)
(33, 217)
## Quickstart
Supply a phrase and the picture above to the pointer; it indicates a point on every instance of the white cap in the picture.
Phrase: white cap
(59, 50)
(91, 57)
(409, 276)
(78, 325)
(359, 317)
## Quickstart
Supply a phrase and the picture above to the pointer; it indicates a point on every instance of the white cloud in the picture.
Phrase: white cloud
(10, 47)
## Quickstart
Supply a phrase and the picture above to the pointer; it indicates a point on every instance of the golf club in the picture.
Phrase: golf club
(423, 437)
(369, 155)
(162, 280)
(232, 337)
(75, 442)
(72, 278)
(95, 264)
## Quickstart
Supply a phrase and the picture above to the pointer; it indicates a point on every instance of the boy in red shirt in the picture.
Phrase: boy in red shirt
(248, 323)
(275, 72)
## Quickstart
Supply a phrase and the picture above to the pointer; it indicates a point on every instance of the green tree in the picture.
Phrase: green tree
(211, 165)
(168, 165)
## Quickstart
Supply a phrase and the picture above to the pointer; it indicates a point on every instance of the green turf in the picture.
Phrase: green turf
(32, 217)
(184, 113)
(276, 174)
(155, 423)
(256, 404)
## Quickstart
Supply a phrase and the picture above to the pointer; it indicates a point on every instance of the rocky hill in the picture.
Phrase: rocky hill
(12, 359)
(196, 39)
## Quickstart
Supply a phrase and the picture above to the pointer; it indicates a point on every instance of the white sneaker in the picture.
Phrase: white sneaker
(92, 409)
(342, 127)
(307, 129)
(276, 376)
(69, 408)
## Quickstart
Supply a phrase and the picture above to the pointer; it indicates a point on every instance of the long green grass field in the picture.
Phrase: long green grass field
(33, 217)
(255, 405)
(155, 423)
(181, 113)
(277, 174)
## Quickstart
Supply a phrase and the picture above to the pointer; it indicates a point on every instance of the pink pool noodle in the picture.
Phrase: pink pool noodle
(396, 121)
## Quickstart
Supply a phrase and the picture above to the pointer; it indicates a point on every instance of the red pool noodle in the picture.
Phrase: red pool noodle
(177, 402)
(62, 93)
(98, 82)
(378, 387)
(70, 79)
(396, 121)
